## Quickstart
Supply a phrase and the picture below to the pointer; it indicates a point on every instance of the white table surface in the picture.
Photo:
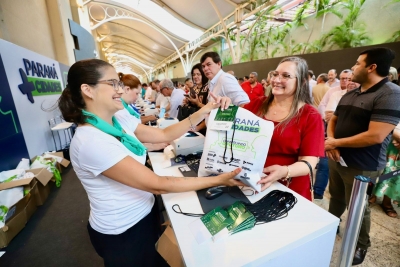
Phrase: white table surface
(62, 126)
(264, 243)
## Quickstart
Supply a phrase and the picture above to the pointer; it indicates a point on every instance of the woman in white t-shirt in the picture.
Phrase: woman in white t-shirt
(110, 164)
(128, 115)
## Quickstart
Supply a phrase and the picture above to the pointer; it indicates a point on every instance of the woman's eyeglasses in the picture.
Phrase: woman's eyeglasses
(115, 83)
(283, 76)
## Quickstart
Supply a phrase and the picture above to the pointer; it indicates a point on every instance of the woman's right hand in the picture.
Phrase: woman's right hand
(228, 178)
(273, 173)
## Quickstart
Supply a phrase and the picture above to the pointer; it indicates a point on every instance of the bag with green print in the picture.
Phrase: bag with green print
(50, 164)
(236, 138)
(8, 198)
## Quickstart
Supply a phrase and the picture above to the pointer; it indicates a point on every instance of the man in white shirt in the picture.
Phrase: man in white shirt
(163, 102)
(220, 82)
(345, 78)
(148, 92)
(311, 82)
(332, 80)
(155, 86)
(167, 89)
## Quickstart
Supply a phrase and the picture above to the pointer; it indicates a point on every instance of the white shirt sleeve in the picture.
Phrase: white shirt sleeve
(324, 101)
(148, 93)
(333, 102)
(159, 100)
(165, 101)
(232, 89)
(127, 121)
(177, 97)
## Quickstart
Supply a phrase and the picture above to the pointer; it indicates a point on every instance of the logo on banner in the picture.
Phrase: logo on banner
(38, 80)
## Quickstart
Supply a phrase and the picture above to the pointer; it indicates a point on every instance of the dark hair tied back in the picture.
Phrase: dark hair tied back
(71, 102)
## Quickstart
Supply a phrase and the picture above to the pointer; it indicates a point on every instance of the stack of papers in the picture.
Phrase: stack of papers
(221, 222)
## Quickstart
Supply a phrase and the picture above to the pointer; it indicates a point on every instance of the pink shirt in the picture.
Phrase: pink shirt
(325, 100)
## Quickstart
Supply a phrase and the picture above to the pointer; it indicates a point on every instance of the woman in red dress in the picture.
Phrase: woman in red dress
(299, 131)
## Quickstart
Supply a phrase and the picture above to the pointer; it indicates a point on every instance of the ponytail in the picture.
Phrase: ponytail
(71, 106)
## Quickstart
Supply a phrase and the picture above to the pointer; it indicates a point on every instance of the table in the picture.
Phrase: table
(62, 127)
(304, 238)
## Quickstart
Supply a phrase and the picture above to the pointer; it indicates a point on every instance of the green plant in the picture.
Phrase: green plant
(324, 7)
(317, 45)
(299, 18)
(269, 39)
(282, 38)
(395, 37)
(393, 2)
(253, 41)
(225, 55)
(351, 33)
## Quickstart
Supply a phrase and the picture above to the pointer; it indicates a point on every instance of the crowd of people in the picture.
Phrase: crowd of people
(343, 126)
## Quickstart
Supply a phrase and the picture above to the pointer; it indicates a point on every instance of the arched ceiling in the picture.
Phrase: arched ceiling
(199, 12)
(137, 34)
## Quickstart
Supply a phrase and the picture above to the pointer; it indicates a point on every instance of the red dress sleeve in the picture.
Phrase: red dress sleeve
(312, 133)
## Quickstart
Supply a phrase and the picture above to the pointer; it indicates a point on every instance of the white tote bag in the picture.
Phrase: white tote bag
(245, 144)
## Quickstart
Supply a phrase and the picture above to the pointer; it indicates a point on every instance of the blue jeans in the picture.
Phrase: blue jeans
(322, 176)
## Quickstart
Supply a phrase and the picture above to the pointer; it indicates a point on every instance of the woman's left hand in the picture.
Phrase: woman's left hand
(274, 173)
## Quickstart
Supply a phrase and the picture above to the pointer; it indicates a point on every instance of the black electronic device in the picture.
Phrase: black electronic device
(191, 134)
(187, 172)
(214, 192)
(232, 194)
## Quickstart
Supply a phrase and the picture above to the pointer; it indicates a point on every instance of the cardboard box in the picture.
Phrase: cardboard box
(17, 208)
(30, 208)
(42, 194)
(12, 228)
(15, 219)
(29, 185)
(42, 190)
(20, 212)
(39, 190)
(64, 162)
(167, 246)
